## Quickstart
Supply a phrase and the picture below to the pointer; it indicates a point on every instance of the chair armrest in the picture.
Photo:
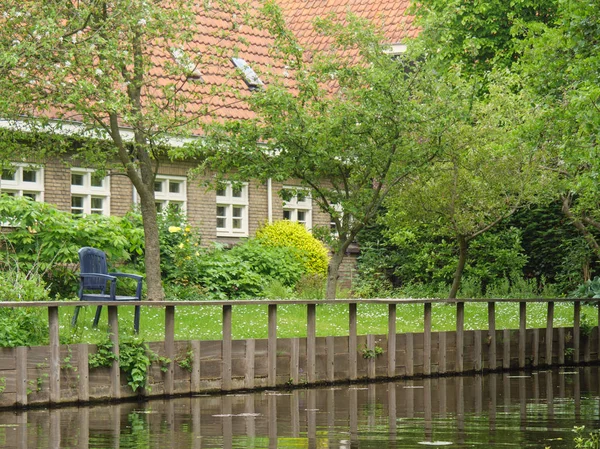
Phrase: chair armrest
(137, 277)
(108, 277)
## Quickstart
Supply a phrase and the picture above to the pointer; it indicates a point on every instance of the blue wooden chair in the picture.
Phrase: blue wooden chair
(94, 279)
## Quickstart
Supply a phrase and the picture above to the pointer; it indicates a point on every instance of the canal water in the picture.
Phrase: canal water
(524, 410)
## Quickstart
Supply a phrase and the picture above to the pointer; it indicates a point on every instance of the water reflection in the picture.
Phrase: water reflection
(532, 410)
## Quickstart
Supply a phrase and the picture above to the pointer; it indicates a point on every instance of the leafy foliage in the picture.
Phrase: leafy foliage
(284, 233)
(419, 261)
(591, 440)
(44, 241)
(22, 326)
(134, 359)
(479, 35)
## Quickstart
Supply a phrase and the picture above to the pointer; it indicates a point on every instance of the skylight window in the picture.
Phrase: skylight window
(395, 49)
(250, 76)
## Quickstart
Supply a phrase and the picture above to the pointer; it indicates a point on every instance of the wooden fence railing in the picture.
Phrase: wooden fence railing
(419, 354)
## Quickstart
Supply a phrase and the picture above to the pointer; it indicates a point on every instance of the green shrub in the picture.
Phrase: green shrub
(280, 263)
(285, 233)
(221, 274)
(178, 240)
(22, 326)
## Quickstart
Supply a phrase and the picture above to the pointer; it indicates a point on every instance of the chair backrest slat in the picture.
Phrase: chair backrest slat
(92, 260)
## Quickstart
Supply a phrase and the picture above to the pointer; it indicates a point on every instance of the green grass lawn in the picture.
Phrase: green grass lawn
(204, 323)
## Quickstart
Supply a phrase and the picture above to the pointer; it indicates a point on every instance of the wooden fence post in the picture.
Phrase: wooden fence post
(522, 332)
(311, 341)
(506, 348)
(195, 375)
(492, 335)
(391, 340)
(295, 360)
(250, 355)
(21, 375)
(83, 372)
(115, 370)
(352, 343)
(427, 339)
(170, 348)
(54, 355)
(460, 324)
(272, 346)
(226, 377)
(549, 333)
(576, 331)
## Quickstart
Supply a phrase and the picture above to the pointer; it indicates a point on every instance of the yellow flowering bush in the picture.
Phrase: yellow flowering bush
(291, 234)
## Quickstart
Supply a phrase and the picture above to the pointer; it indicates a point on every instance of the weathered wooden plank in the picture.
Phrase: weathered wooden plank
(427, 339)
(576, 331)
(352, 342)
(295, 360)
(460, 324)
(442, 352)
(83, 372)
(330, 358)
(506, 348)
(561, 346)
(409, 354)
(492, 335)
(195, 374)
(535, 358)
(587, 348)
(311, 351)
(250, 355)
(54, 355)
(115, 370)
(272, 346)
(477, 354)
(226, 355)
(549, 333)
(391, 341)
(371, 360)
(522, 333)
(21, 375)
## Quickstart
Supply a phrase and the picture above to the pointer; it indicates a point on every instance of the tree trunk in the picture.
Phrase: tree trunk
(333, 271)
(463, 247)
(152, 245)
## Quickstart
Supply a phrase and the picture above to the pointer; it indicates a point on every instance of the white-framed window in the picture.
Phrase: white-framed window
(23, 180)
(90, 192)
(299, 207)
(232, 209)
(170, 191)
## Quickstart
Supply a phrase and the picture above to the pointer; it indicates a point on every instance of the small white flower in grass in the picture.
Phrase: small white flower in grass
(99, 72)
(142, 22)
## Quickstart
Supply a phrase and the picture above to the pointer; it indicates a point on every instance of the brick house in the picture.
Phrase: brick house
(226, 214)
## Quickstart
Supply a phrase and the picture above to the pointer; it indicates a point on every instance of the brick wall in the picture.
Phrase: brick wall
(201, 203)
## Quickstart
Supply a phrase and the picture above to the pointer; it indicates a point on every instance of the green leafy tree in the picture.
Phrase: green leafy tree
(562, 65)
(479, 34)
(118, 76)
(488, 169)
(350, 124)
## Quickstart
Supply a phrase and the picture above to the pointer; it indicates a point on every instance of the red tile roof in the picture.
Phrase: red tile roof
(390, 15)
(216, 67)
